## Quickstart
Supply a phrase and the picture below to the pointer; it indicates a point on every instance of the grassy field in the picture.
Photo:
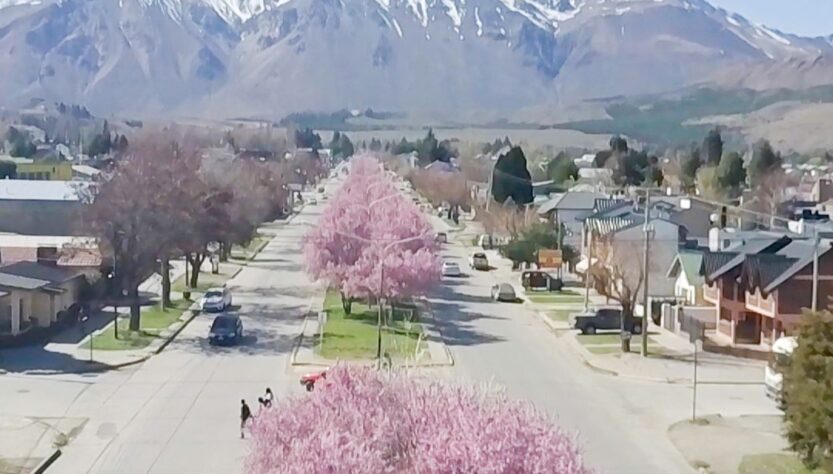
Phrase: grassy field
(774, 463)
(354, 336)
(154, 320)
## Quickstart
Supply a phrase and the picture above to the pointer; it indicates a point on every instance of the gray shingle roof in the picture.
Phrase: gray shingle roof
(21, 283)
(571, 200)
(37, 271)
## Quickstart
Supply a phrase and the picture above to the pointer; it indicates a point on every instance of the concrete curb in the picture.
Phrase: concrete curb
(433, 327)
(44, 465)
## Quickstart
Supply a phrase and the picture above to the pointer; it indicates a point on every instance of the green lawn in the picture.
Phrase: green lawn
(152, 323)
(206, 280)
(354, 336)
(774, 463)
(249, 251)
(561, 314)
(566, 296)
(598, 339)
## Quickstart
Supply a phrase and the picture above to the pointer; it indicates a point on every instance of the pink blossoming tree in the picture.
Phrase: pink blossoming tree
(371, 240)
(358, 422)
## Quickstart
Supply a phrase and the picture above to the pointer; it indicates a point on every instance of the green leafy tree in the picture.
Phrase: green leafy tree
(511, 178)
(524, 248)
(653, 174)
(691, 164)
(713, 147)
(561, 169)
(731, 173)
(808, 392)
(764, 161)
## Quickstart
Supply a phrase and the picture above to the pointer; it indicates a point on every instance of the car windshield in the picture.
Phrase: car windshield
(214, 294)
(479, 255)
(224, 323)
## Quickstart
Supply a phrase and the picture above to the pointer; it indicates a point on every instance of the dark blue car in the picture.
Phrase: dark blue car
(226, 329)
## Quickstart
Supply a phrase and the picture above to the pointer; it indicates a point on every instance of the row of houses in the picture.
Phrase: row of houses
(748, 287)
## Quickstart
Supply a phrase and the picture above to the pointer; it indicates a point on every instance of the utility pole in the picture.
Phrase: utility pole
(645, 272)
(589, 235)
(379, 321)
(816, 243)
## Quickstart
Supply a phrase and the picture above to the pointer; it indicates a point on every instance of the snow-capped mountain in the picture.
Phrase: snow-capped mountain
(459, 58)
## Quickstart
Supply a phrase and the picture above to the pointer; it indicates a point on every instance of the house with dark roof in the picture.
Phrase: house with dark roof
(33, 295)
(760, 288)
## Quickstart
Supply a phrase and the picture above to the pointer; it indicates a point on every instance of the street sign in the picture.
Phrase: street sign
(549, 258)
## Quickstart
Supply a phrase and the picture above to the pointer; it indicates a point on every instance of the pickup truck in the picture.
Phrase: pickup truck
(604, 319)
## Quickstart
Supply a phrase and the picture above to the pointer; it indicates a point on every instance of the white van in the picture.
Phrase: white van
(779, 360)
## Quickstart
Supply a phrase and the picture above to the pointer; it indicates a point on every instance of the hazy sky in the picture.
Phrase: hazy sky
(803, 17)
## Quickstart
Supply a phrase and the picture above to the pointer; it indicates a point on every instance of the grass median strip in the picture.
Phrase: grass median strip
(354, 336)
(153, 321)
(774, 463)
(206, 280)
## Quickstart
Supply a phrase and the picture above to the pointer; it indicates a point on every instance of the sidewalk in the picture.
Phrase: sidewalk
(745, 444)
(671, 360)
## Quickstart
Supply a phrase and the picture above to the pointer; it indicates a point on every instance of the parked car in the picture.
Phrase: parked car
(216, 299)
(451, 269)
(441, 237)
(478, 261)
(226, 329)
(308, 380)
(504, 292)
(604, 319)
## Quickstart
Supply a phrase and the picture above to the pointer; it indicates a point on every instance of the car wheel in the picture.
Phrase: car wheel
(637, 329)
(309, 386)
(590, 329)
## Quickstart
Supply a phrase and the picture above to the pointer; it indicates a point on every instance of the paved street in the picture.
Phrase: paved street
(622, 424)
(179, 411)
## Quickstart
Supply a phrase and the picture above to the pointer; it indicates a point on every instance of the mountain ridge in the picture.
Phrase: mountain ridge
(462, 58)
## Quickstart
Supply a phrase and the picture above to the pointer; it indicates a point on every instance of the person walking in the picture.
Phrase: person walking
(268, 398)
(245, 416)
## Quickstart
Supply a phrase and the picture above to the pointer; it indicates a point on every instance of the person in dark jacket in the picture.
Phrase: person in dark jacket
(245, 416)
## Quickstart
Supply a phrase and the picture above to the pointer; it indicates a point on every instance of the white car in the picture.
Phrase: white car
(451, 269)
(504, 292)
(216, 299)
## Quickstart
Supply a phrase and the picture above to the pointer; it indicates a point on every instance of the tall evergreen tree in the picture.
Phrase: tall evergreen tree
(511, 178)
(764, 161)
(713, 147)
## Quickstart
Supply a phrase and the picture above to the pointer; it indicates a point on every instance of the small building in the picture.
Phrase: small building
(45, 171)
(41, 207)
(688, 282)
(33, 295)
(84, 173)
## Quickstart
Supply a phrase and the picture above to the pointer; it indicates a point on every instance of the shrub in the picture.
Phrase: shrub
(358, 422)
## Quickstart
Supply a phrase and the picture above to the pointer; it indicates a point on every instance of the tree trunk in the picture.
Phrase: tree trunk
(166, 282)
(135, 309)
(627, 313)
(196, 260)
(346, 303)
(225, 251)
